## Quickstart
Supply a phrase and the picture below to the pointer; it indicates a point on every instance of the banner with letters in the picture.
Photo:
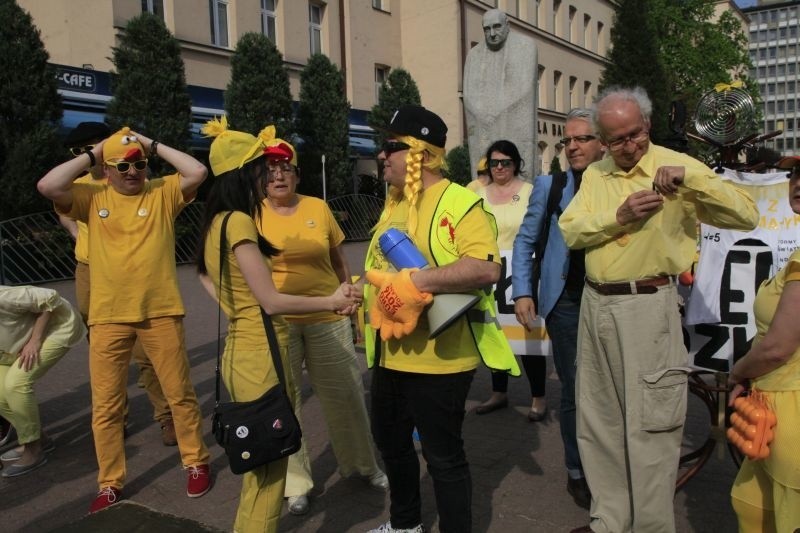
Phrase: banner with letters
(718, 323)
(522, 341)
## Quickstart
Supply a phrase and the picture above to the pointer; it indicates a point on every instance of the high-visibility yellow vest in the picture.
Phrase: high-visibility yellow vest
(456, 201)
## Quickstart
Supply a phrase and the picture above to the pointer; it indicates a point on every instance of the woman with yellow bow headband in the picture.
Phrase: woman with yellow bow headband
(241, 175)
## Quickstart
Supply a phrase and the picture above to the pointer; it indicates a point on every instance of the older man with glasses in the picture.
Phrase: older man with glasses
(134, 292)
(635, 217)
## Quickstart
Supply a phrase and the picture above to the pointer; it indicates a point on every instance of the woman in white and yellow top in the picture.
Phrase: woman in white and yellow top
(507, 195)
(311, 263)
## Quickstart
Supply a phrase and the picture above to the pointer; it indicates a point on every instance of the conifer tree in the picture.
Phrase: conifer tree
(677, 51)
(149, 85)
(30, 110)
(555, 165)
(258, 93)
(458, 167)
(399, 89)
(322, 123)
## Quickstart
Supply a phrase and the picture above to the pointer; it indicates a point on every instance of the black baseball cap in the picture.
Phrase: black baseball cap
(86, 132)
(416, 121)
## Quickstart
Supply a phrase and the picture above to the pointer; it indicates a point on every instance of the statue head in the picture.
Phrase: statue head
(495, 29)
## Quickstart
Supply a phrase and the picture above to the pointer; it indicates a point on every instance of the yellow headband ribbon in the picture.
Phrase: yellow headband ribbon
(264, 138)
(719, 87)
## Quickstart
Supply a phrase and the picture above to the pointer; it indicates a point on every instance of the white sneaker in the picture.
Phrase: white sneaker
(387, 528)
(298, 505)
(378, 481)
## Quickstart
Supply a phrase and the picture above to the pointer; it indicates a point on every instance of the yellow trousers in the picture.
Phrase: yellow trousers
(147, 376)
(109, 358)
(248, 374)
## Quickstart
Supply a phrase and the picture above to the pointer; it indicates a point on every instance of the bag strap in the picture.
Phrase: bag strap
(553, 200)
(272, 339)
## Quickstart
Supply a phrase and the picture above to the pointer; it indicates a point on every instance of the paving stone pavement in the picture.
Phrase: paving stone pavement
(517, 466)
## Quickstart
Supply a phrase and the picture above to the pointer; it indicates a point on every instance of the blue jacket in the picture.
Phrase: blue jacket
(556, 256)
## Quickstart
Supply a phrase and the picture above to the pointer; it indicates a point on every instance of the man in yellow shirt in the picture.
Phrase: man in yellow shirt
(635, 216)
(134, 292)
(82, 138)
(419, 382)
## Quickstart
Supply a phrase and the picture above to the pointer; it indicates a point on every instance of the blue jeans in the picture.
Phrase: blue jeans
(562, 327)
(434, 403)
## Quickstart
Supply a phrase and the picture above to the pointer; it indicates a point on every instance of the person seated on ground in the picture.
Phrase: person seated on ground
(37, 327)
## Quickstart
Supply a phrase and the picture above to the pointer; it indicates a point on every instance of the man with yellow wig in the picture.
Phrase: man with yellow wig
(417, 381)
(134, 290)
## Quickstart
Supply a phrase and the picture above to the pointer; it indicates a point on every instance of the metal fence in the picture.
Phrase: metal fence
(36, 249)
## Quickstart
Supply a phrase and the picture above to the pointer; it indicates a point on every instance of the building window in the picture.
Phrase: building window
(558, 98)
(556, 9)
(600, 47)
(219, 22)
(381, 74)
(573, 30)
(315, 28)
(573, 93)
(268, 20)
(587, 94)
(542, 100)
(156, 7)
(383, 5)
(587, 24)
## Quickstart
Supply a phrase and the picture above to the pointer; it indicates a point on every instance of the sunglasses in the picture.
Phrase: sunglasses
(125, 166)
(78, 150)
(390, 147)
(505, 163)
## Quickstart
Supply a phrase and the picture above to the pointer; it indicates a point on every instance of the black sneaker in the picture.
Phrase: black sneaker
(579, 491)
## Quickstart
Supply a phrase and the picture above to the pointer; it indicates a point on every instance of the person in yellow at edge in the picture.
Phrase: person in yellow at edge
(311, 263)
(635, 215)
(134, 293)
(417, 381)
(766, 493)
(241, 172)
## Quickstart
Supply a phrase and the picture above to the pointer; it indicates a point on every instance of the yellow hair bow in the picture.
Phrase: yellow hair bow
(215, 127)
(719, 87)
(264, 138)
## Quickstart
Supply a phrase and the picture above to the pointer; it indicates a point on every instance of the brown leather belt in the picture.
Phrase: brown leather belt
(639, 286)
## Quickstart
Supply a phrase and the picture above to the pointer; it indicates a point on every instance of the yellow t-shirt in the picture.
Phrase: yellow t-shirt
(782, 385)
(787, 376)
(82, 241)
(305, 238)
(131, 249)
(454, 350)
(245, 325)
(509, 215)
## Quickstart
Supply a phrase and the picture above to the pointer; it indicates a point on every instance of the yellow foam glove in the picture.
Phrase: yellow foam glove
(398, 303)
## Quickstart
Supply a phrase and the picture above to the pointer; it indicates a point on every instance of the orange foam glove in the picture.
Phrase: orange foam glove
(752, 425)
(398, 303)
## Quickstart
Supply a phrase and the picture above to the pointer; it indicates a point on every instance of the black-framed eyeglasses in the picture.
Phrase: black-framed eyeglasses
(615, 145)
(580, 139)
(78, 150)
(390, 147)
(125, 166)
(505, 163)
